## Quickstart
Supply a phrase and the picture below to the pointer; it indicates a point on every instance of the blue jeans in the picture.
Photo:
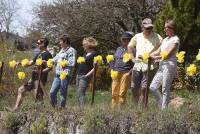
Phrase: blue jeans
(56, 85)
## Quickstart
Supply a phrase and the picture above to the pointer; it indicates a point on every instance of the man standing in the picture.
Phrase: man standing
(33, 83)
(145, 42)
(65, 61)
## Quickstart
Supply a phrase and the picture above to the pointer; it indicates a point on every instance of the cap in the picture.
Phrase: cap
(147, 23)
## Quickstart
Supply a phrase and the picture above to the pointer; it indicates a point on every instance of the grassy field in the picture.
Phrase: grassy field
(99, 118)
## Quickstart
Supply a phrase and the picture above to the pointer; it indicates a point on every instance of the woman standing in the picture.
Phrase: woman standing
(85, 68)
(166, 54)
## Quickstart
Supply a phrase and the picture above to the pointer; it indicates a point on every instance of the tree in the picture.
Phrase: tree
(103, 19)
(8, 10)
(187, 15)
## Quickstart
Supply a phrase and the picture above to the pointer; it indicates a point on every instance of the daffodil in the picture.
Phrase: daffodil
(50, 63)
(80, 60)
(109, 58)
(126, 57)
(24, 62)
(39, 61)
(180, 56)
(113, 74)
(198, 56)
(98, 59)
(12, 63)
(21, 75)
(191, 70)
(63, 63)
(145, 56)
(1, 64)
(163, 55)
(63, 75)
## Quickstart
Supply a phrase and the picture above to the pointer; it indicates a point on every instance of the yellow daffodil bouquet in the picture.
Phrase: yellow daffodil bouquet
(12, 64)
(163, 55)
(39, 62)
(50, 63)
(180, 56)
(24, 62)
(114, 74)
(21, 75)
(109, 58)
(63, 63)
(80, 60)
(63, 75)
(198, 56)
(145, 56)
(98, 59)
(126, 57)
(191, 70)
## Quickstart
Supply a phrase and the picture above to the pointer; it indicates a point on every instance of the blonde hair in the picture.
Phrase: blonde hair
(90, 42)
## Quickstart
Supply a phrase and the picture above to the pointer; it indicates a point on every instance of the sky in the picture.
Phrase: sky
(24, 16)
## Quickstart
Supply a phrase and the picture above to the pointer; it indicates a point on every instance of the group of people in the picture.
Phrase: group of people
(130, 74)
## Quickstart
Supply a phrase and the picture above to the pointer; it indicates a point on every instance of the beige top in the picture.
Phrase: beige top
(144, 45)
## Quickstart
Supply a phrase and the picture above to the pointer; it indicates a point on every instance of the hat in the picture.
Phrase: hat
(147, 23)
(128, 35)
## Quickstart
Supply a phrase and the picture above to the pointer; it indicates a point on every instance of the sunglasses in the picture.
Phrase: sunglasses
(169, 27)
(148, 28)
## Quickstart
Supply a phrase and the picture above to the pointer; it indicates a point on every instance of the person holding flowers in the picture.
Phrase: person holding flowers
(167, 53)
(121, 66)
(65, 61)
(33, 83)
(85, 68)
(145, 43)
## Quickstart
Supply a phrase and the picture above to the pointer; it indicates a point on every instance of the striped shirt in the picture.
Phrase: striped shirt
(68, 54)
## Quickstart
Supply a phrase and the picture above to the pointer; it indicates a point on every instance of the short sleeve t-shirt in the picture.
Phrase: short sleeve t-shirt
(85, 67)
(167, 42)
(144, 45)
(45, 55)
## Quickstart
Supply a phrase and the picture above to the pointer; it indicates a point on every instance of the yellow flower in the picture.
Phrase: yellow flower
(24, 62)
(63, 75)
(80, 60)
(21, 75)
(50, 63)
(39, 61)
(191, 70)
(63, 63)
(126, 57)
(145, 56)
(98, 59)
(109, 58)
(12, 63)
(114, 74)
(1, 64)
(180, 56)
(198, 56)
(163, 55)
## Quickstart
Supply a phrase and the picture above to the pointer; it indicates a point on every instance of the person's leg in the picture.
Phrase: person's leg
(115, 91)
(63, 91)
(155, 84)
(53, 91)
(124, 85)
(135, 85)
(21, 92)
(168, 76)
(81, 89)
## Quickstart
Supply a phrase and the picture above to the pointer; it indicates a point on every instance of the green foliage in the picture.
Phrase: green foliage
(186, 15)
(13, 121)
(40, 127)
